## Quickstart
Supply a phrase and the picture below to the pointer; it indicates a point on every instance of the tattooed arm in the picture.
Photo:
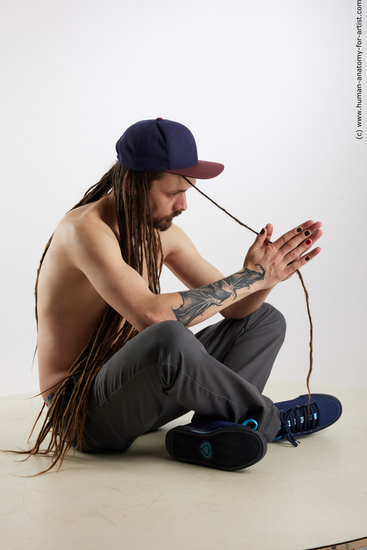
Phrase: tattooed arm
(93, 256)
(197, 302)
(251, 303)
(278, 260)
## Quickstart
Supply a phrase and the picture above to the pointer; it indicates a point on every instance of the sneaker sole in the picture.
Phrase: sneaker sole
(232, 448)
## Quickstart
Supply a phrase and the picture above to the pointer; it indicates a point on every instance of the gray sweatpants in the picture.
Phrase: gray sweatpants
(166, 371)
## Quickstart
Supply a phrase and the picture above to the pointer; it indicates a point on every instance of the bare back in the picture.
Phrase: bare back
(69, 307)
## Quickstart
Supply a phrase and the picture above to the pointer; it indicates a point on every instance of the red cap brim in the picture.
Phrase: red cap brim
(203, 170)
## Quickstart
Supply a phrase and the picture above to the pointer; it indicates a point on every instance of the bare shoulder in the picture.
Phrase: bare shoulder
(86, 218)
(84, 229)
(90, 253)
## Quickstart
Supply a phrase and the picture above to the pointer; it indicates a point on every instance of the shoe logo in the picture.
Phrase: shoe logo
(206, 450)
(302, 419)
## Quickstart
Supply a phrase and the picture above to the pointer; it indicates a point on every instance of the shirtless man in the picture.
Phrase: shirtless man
(105, 386)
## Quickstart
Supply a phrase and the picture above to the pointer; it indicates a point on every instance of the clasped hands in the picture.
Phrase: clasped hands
(282, 258)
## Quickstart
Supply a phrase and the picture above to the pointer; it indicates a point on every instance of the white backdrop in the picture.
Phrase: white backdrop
(268, 88)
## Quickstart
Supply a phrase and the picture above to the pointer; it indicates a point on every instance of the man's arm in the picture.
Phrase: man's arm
(95, 251)
(184, 260)
(196, 302)
(251, 303)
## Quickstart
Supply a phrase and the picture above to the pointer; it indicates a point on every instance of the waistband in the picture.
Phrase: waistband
(49, 399)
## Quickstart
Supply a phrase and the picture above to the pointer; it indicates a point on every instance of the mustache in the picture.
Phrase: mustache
(176, 213)
(163, 224)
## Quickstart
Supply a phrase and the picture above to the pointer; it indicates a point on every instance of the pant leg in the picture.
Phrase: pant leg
(130, 391)
(247, 346)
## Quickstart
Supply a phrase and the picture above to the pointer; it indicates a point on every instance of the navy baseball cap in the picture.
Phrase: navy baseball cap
(161, 145)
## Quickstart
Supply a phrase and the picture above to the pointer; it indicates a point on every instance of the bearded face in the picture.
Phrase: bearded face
(167, 199)
(162, 224)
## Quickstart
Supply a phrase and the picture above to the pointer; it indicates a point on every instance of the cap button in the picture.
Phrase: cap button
(159, 118)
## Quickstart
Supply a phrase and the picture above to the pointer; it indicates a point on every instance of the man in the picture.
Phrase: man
(115, 356)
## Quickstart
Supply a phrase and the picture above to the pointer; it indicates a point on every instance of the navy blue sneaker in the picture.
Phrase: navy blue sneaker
(297, 418)
(217, 444)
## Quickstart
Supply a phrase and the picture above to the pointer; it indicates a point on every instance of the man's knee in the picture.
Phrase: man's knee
(169, 335)
(269, 315)
(167, 329)
(172, 345)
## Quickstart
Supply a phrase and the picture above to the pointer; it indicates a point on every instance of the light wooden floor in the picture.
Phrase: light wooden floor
(301, 498)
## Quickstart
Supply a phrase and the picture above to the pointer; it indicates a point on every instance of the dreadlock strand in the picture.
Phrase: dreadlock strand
(139, 242)
(300, 278)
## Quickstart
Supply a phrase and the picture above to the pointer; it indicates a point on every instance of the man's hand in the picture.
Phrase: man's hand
(286, 255)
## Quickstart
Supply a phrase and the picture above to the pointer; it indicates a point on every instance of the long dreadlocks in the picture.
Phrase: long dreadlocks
(139, 243)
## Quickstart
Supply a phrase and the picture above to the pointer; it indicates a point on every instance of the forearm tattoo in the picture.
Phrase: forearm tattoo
(196, 302)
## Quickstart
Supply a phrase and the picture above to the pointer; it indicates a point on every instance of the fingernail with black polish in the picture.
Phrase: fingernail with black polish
(307, 258)
(299, 230)
(307, 233)
(262, 231)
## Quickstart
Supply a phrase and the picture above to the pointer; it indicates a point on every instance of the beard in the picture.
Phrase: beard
(162, 224)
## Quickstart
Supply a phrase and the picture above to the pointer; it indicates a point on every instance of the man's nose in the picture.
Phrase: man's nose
(180, 203)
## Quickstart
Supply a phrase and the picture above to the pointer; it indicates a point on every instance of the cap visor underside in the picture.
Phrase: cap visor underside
(203, 170)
